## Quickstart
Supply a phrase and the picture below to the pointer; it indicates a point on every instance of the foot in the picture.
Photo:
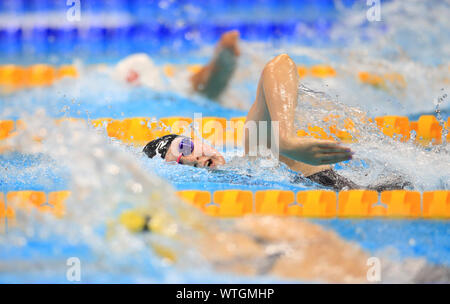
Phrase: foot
(212, 79)
(229, 40)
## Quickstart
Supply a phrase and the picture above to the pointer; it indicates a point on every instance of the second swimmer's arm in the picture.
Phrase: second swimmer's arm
(279, 84)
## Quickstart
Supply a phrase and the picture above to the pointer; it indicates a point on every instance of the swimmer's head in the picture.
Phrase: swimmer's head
(185, 151)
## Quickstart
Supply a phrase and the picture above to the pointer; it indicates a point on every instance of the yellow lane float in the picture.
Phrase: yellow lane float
(394, 204)
(14, 77)
(220, 132)
(384, 81)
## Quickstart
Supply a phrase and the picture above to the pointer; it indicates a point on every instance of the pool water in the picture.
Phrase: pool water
(105, 176)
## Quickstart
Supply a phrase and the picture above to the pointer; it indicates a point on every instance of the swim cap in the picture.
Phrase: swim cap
(159, 146)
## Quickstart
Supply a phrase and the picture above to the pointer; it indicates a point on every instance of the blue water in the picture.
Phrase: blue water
(38, 172)
(98, 97)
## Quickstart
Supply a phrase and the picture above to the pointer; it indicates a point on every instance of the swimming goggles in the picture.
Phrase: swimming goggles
(185, 147)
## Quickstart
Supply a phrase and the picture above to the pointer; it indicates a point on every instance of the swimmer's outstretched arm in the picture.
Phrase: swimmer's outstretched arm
(276, 101)
(212, 79)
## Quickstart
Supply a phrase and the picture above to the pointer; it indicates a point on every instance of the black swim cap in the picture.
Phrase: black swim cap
(159, 146)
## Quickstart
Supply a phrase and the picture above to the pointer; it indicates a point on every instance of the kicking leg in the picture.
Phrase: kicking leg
(212, 79)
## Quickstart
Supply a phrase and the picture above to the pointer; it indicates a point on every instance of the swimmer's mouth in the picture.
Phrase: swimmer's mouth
(209, 163)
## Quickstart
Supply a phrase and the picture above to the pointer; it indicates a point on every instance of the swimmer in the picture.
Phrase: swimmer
(276, 100)
(292, 248)
(210, 80)
(284, 247)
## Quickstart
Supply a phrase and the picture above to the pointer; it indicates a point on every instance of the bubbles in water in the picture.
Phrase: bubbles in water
(104, 180)
(376, 155)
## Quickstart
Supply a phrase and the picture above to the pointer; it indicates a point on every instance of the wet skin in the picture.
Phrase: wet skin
(276, 100)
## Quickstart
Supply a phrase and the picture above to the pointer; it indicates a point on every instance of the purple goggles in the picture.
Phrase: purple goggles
(186, 147)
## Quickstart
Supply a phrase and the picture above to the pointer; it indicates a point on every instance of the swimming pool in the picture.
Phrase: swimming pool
(382, 69)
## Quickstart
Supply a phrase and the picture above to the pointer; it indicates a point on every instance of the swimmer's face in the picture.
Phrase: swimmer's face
(203, 155)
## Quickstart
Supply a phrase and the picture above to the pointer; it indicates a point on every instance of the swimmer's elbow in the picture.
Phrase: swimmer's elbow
(282, 59)
(278, 68)
(278, 61)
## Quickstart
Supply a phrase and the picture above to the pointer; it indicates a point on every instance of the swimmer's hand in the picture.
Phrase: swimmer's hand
(315, 151)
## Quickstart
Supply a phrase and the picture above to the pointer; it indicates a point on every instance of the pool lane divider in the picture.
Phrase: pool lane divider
(20, 77)
(350, 204)
(395, 204)
(15, 77)
(218, 131)
(27, 200)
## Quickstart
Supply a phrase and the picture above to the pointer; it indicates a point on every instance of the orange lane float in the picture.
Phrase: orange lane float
(26, 200)
(428, 130)
(273, 202)
(231, 203)
(5, 211)
(137, 131)
(134, 131)
(101, 122)
(448, 129)
(6, 128)
(395, 204)
(401, 203)
(60, 121)
(220, 131)
(356, 203)
(315, 204)
(194, 68)
(348, 133)
(169, 70)
(196, 198)
(15, 77)
(322, 71)
(372, 79)
(396, 79)
(56, 200)
(316, 132)
(436, 204)
(12, 76)
(176, 125)
(40, 75)
(394, 126)
(67, 71)
(382, 81)
(319, 71)
(164, 126)
(115, 129)
(378, 211)
(302, 71)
